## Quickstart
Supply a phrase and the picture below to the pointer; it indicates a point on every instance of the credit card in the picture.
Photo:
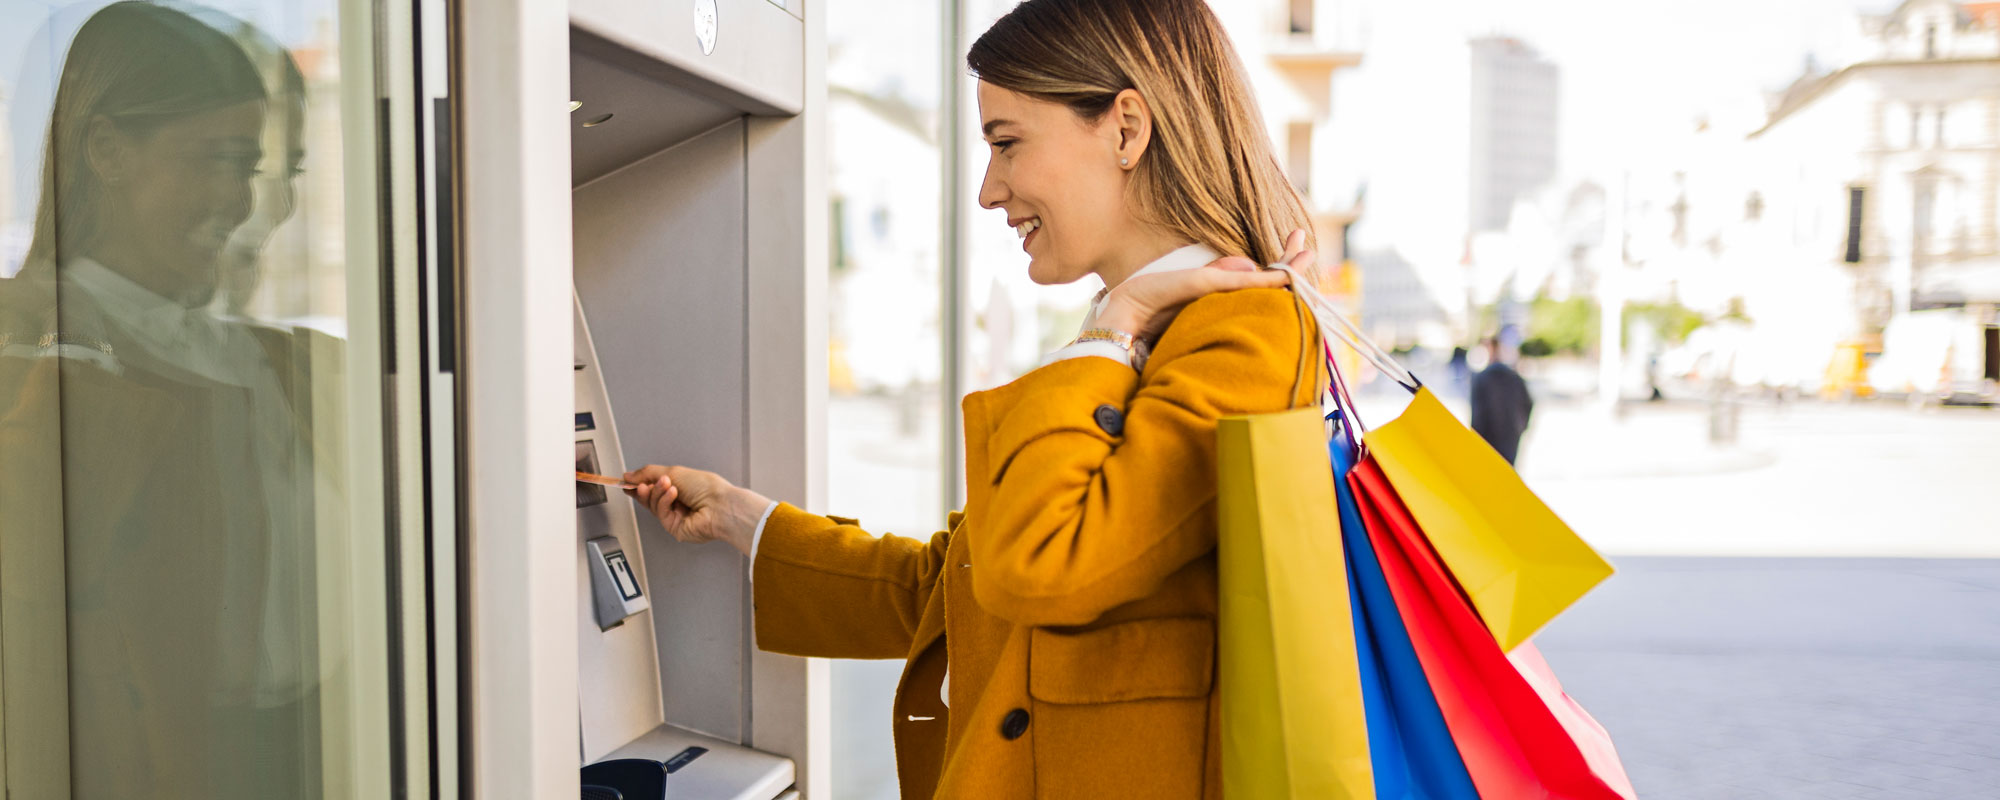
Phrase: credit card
(585, 477)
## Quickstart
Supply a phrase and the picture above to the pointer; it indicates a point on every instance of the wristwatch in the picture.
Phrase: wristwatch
(1136, 349)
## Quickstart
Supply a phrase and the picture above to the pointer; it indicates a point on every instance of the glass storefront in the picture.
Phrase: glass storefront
(201, 519)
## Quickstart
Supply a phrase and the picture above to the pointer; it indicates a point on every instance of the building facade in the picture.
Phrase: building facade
(1296, 53)
(1887, 170)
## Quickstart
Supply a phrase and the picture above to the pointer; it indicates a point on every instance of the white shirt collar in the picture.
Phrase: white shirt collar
(1189, 257)
(116, 291)
(173, 337)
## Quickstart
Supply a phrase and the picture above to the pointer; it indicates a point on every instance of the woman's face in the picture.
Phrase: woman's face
(1058, 179)
(173, 195)
(276, 197)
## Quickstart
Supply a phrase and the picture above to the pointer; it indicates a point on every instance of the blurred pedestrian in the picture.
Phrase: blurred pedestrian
(1460, 368)
(1500, 401)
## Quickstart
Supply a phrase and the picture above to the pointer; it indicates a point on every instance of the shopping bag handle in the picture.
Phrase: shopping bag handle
(1345, 415)
(1349, 431)
(1344, 406)
(1335, 324)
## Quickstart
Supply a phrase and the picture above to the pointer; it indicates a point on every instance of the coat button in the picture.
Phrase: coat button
(1111, 420)
(1015, 724)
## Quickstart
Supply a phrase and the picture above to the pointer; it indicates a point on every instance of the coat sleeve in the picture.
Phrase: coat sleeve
(1079, 516)
(824, 587)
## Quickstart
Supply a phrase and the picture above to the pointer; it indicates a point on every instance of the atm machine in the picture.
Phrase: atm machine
(683, 135)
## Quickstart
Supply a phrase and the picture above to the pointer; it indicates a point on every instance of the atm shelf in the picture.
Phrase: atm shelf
(725, 772)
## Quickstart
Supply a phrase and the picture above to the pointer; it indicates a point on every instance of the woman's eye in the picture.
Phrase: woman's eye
(1003, 144)
(236, 165)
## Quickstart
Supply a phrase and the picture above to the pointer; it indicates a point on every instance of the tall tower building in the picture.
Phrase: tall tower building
(1511, 130)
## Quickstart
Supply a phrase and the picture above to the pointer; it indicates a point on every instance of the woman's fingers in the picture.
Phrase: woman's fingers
(1264, 279)
(1233, 264)
(1145, 305)
(1294, 244)
(1302, 259)
(645, 474)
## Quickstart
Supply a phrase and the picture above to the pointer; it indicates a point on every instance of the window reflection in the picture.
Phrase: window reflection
(158, 449)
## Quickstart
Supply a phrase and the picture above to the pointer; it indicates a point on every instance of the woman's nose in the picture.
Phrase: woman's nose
(992, 191)
(235, 200)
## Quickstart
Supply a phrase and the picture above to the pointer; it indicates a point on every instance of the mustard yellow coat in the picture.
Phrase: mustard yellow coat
(1075, 597)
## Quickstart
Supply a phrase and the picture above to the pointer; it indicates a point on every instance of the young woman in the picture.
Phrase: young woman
(1060, 634)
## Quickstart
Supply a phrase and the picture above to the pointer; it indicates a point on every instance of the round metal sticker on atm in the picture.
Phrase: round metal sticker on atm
(705, 24)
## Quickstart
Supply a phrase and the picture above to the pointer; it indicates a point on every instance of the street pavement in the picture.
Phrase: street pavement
(1792, 677)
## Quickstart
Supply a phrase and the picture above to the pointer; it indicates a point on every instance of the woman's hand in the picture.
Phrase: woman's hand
(1144, 306)
(698, 506)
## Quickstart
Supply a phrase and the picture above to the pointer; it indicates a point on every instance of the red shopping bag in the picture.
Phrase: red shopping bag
(1520, 735)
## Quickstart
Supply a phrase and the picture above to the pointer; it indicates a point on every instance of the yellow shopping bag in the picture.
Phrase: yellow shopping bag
(1292, 722)
(1517, 562)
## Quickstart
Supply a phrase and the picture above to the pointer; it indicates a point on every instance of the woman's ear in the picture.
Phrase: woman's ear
(1133, 123)
(107, 150)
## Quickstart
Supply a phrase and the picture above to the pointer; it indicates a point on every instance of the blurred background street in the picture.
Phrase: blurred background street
(1803, 479)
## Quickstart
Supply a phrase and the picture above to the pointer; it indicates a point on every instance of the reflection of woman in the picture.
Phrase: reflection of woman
(176, 500)
(1061, 633)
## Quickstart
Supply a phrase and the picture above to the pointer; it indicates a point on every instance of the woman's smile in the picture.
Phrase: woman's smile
(1026, 229)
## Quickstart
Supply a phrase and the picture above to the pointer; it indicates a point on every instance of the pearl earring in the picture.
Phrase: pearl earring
(1124, 162)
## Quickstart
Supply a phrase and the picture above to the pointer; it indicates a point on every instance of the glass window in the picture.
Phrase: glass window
(1010, 321)
(885, 408)
(191, 523)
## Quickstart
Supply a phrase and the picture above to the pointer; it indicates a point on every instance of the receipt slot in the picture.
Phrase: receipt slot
(613, 587)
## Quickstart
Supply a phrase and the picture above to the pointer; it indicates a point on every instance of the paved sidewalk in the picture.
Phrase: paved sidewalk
(1793, 678)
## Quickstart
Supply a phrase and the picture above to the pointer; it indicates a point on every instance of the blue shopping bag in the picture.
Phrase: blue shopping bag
(1410, 747)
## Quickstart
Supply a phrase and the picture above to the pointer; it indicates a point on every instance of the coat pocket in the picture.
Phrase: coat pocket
(1139, 660)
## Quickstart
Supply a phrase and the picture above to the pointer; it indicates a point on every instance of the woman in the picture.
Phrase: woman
(1060, 634)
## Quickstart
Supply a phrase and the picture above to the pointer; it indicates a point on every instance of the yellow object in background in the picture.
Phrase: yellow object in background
(1847, 372)
(1292, 721)
(1518, 563)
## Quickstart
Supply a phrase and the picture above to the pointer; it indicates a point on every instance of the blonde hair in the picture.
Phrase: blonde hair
(1209, 173)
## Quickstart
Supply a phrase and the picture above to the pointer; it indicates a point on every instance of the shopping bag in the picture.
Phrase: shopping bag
(1411, 749)
(1520, 736)
(1517, 562)
(1292, 718)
